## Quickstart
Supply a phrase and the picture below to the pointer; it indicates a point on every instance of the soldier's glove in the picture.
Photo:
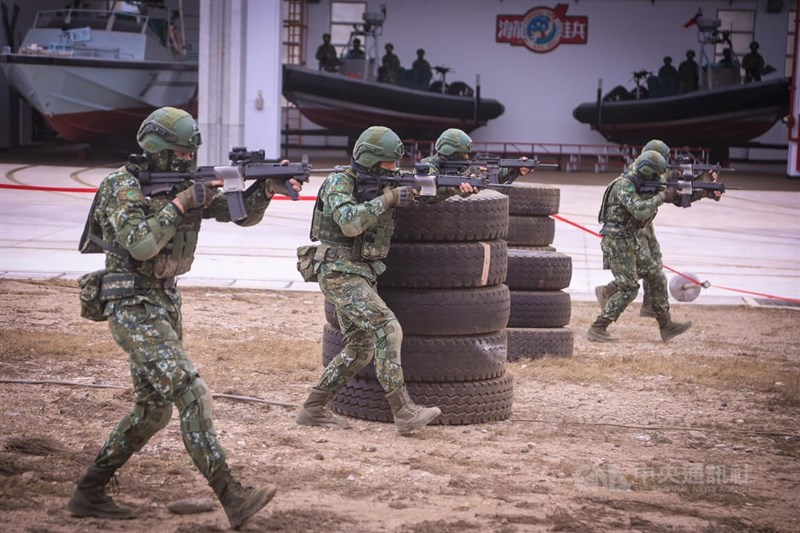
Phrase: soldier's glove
(669, 194)
(199, 195)
(277, 186)
(398, 197)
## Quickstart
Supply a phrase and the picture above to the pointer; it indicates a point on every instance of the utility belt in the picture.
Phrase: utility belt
(116, 285)
(615, 230)
(327, 253)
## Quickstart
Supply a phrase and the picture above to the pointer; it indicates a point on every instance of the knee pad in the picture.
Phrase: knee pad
(388, 339)
(389, 336)
(146, 421)
(195, 405)
(358, 351)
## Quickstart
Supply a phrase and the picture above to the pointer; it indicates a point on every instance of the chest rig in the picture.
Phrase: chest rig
(177, 256)
(372, 244)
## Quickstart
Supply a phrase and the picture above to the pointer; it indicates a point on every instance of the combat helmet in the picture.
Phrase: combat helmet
(376, 144)
(169, 128)
(650, 164)
(659, 146)
(453, 141)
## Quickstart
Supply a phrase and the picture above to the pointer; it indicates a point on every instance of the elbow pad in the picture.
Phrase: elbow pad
(145, 238)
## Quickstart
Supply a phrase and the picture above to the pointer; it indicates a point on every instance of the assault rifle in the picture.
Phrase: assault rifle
(370, 184)
(492, 164)
(685, 167)
(683, 176)
(245, 166)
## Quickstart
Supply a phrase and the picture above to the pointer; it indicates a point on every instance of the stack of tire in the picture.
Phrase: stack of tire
(444, 281)
(537, 275)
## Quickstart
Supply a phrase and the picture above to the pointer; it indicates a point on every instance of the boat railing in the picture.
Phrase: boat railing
(101, 53)
(575, 157)
(92, 18)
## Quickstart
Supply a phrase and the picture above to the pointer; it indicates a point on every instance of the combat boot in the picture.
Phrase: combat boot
(670, 329)
(90, 498)
(240, 503)
(314, 413)
(646, 310)
(604, 292)
(598, 333)
(408, 415)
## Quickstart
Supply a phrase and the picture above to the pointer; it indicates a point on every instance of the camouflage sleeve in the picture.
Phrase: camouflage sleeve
(338, 196)
(640, 208)
(124, 207)
(433, 164)
(255, 203)
(504, 175)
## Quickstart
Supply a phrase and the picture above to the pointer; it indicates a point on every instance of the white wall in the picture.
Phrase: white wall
(540, 91)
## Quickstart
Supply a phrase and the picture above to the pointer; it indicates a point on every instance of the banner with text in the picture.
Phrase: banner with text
(542, 29)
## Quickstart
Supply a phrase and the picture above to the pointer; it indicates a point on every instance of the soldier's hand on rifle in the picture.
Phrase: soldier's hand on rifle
(669, 194)
(465, 189)
(399, 196)
(275, 186)
(523, 171)
(198, 195)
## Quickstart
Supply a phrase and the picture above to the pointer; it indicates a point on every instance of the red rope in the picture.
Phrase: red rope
(764, 295)
(42, 188)
(280, 197)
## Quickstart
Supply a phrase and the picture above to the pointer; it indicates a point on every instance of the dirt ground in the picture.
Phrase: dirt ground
(700, 434)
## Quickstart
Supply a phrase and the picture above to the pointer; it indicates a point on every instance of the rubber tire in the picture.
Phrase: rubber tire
(444, 358)
(539, 309)
(479, 217)
(538, 270)
(533, 199)
(461, 402)
(533, 343)
(449, 311)
(444, 311)
(445, 265)
(530, 231)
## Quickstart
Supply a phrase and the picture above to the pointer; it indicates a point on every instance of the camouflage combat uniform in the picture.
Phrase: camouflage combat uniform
(629, 245)
(144, 315)
(354, 236)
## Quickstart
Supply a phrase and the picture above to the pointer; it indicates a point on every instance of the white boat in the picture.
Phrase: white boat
(95, 74)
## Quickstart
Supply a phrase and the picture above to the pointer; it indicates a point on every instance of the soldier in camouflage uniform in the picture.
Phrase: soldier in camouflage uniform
(604, 292)
(630, 248)
(647, 239)
(354, 229)
(455, 145)
(148, 241)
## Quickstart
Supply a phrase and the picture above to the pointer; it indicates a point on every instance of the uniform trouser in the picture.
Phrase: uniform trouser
(369, 329)
(162, 376)
(632, 258)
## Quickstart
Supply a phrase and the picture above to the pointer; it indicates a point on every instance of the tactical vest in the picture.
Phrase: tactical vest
(174, 259)
(372, 244)
(616, 221)
(177, 256)
(602, 216)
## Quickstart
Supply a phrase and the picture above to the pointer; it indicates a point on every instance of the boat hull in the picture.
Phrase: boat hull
(724, 116)
(87, 100)
(347, 106)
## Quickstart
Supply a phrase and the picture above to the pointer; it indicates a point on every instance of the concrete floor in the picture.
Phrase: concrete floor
(747, 245)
